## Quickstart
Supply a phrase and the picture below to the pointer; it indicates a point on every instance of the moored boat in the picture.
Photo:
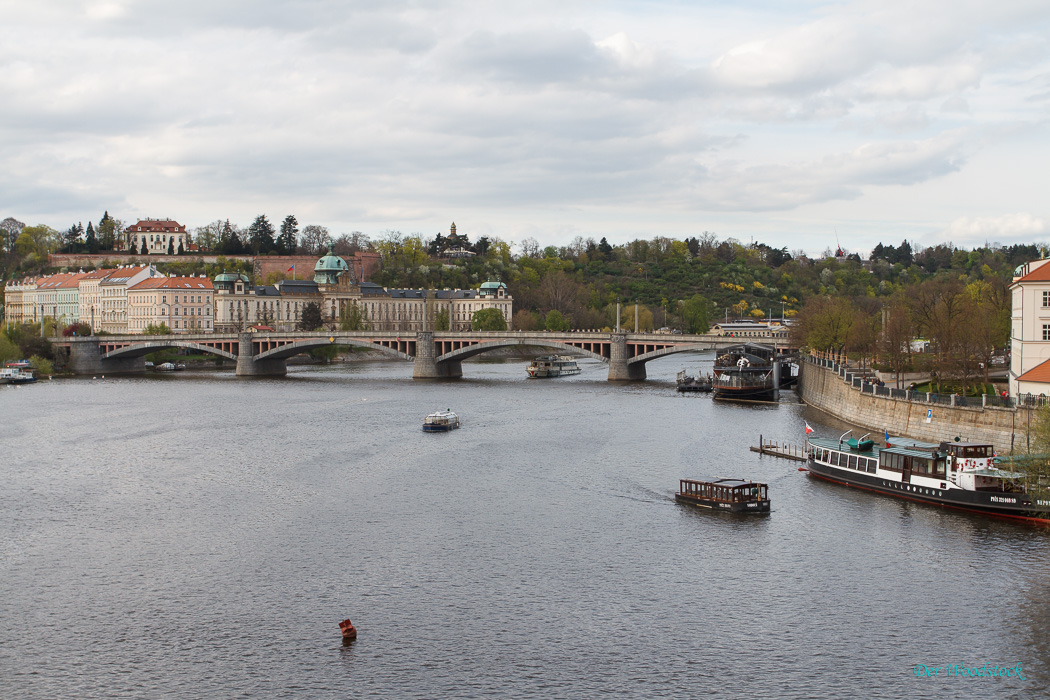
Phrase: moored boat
(745, 372)
(440, 422)
(959, 475)
(165, 367)
(16, 375)
(685, 382)
(553, 366)
(731, 495)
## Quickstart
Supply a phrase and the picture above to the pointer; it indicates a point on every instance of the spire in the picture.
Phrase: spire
(453, 229)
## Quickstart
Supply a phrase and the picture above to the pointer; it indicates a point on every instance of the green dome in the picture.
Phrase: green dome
(226, 280)
(328, 268)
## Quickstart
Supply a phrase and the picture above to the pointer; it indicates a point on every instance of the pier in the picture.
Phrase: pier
(784, 450)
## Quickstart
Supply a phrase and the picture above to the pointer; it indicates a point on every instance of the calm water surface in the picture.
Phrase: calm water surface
(200, 535)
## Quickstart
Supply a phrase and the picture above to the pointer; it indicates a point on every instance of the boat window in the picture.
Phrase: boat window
(853, 461)
(834, 458)
(871, 466)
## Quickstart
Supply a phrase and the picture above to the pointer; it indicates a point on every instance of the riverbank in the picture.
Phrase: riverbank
(825, 389)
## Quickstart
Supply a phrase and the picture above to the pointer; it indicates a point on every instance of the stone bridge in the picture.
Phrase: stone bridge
(434, 354)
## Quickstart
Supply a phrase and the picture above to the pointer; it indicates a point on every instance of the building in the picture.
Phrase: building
(184, 304)
(1030, 329)
(89, 300)
(113, 295)
(337, 292)
(159, 235)
(19, 301)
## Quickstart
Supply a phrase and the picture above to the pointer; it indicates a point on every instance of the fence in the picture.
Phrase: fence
(862, 380)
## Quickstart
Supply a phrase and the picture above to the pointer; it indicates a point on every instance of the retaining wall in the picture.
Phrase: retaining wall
(824, 389)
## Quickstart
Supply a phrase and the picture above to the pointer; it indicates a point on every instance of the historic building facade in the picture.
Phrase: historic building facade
(1030, 329)
(184, 304)
(158, 235)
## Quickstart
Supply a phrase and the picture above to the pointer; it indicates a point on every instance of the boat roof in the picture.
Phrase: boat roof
(913, 448)
(731, 483)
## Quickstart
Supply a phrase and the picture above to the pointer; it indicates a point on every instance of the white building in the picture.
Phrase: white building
(1030, 329)
(114, 295)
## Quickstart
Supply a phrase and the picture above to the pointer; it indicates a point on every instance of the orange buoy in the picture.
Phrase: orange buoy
(348, 629)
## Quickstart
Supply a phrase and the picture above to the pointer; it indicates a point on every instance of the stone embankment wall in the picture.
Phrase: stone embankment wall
(824, 389)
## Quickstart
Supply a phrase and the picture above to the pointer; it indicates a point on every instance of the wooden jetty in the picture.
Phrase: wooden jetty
(784, 450)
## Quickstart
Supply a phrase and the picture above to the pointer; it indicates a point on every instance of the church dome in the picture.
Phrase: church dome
(328, 268)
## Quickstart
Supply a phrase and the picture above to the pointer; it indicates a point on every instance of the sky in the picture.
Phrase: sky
(795, 124)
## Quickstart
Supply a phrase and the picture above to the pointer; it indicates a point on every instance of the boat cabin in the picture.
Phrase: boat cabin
(725, 494)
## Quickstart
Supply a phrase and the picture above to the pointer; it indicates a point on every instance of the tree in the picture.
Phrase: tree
(157, 329)
(354, 318)
(261, 235)
(207, 236)
(107, 231)
(72, 237)
(315, 239)
(488, 320)
(9, 230)
(90, 239)
(442, 320)
(37, 241)
(556, 321)
(310, 320)
(181, 251)
(144, 250)
(287, 241)
(171, 246)
(696, 314)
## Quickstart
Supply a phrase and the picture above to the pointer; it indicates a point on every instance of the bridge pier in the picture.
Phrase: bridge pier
(426, 365)
(85, 357)
(620, 370)
(248, 366)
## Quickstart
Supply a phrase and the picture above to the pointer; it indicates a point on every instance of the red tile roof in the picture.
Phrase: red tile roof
(1039, 274)
(1039, 373)
(156, 226)
(188, 283)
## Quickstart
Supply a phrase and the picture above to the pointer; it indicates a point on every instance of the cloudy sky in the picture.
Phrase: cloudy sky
(784, 122)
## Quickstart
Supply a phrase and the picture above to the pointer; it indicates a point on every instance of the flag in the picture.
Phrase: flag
(291, 268)
(887, 434)
(808, 429)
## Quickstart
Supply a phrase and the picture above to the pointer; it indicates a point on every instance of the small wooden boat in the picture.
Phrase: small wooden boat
(348, 629)
(440, 422)
(732, 495)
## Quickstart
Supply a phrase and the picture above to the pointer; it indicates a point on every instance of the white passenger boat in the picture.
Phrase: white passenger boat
(960, 475)
(16, 375)
(440, 422)
(553, 366)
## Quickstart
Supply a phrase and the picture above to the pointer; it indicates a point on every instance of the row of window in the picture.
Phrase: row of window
(841, 459)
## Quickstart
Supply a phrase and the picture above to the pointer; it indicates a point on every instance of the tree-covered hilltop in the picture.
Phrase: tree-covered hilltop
(687, 283)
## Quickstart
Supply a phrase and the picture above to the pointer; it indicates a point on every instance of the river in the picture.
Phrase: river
(200, 535)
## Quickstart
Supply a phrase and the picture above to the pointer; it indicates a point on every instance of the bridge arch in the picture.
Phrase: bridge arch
(486, 346)
(696, 347)
(289, 349)
(145, 348)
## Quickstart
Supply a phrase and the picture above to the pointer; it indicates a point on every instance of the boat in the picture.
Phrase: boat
(16, 375)
(685, 382)
(165, 367)
(348, 629)
(440, 422)
(553, 366)
(746, 372)
(730, 495)
(959, 475)
(179, 366)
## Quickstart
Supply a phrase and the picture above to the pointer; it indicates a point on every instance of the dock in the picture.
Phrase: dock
(783, 450)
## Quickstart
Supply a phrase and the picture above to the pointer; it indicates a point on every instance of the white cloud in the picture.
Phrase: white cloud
(1008, 228)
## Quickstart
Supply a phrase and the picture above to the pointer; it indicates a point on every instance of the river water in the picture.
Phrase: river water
(200, 535)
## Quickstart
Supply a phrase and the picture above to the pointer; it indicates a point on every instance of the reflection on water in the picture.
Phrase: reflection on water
(203, 535)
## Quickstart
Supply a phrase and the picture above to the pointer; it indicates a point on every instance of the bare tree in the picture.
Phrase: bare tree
(315, 239)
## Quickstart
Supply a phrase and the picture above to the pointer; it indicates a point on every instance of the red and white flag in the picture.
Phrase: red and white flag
(808, 429)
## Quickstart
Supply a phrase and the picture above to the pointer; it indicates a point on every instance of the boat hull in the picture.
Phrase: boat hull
(439, 428)
(745, 393)
(1017, 506)
(738, 507)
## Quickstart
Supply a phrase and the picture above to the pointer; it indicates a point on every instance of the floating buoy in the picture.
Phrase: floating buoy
(803, 469)
(348, 629)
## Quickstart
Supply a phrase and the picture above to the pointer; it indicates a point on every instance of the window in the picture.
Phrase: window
(1046, 299)
(1046, 331)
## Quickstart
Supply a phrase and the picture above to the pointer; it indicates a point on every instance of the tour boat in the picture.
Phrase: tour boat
(745, 372)
(165, 367)
(960, 475)
(731, 495)
(440, 422)
(16, 375)
(553, 366)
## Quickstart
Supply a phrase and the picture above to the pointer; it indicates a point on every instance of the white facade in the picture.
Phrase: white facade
(114, 295)
(1030, 327)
